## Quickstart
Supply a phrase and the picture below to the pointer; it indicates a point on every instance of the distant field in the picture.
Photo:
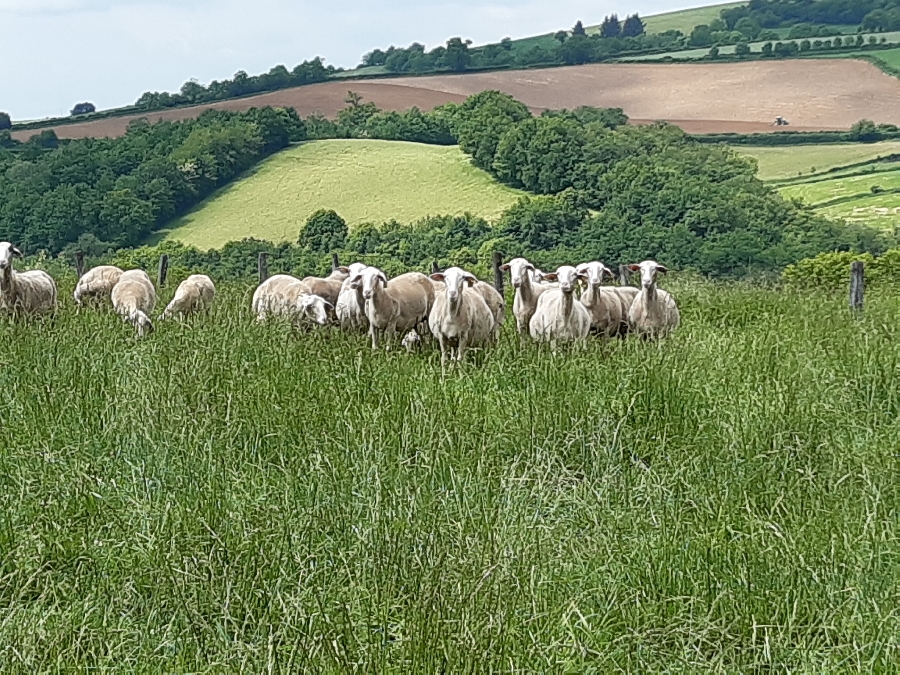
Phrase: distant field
(778, 163)
(686, 19)
(364, 181)
(877, 210)
(845, 187)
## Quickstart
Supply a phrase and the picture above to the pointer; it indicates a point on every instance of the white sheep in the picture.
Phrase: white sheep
(31, 292)
(495, 303)
(133, 298)
(653, 312)
(351, 306)
(395, 307)
(194, 294)
(329, 287)
(560, 316)
(460, 317)
(96, 284)
(609, 315)
(527, 292)
(284, 295)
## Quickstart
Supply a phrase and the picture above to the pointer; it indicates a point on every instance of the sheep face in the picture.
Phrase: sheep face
(568, 277)
(354, 279)
(454, 281)
(7, 253)
(518, 269)
(371, 277)
(316, 309)
(648, 269)
(141, 322)
(596, 272)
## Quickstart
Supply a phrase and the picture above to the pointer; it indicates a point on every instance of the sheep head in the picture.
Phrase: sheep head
(568, 278)
(455, 280)
(371, 277)
(315, 309)
(648, 269)
(519, 269)
(7, 253)
(596, 272)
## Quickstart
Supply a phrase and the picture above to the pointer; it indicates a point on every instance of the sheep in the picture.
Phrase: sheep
(31, 292)
(133, 298)
(96, 284)
(653, 312)
(495, 303)
(460, 318)
(194, 294)
(559, 316)
(284, 295)
(351, 307)
(527, 292)
(395, 307)
(328, 288)
(609, 314)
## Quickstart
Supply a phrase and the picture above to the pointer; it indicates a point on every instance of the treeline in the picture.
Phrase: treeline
(864, 131)
(782, 13)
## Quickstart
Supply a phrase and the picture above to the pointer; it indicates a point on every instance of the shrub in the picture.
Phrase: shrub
(324, 232)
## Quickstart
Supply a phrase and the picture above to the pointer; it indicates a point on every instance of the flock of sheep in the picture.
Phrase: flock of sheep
(457, 309)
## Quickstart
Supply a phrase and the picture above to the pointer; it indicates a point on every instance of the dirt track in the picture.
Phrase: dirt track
(820, 94)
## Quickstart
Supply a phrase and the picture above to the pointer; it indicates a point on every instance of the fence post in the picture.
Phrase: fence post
(262, 266)
(79, 263)
(335, 263)
(498, 273)
(163, 270)
(435, 268)
(857, 285)
(624, 275)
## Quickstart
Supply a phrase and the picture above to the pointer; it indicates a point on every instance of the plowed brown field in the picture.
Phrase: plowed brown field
(821, 94)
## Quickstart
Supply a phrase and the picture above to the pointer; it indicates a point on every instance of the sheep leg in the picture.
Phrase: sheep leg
(373, 333)
(442, 341)
(461, 350)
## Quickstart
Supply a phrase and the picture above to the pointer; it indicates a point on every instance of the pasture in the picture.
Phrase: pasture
(363, 180)
(781, 163)
(226, 496)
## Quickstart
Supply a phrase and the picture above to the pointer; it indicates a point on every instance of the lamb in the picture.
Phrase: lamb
(96, 284)
(133, 298)
(31, 292)
(609, 314)
(194, 294)
(330, 287)
(351, 306)
(284, 295)
(559, 316)
(460, 318)
(527, 292)
(395, 307)
(653, 312)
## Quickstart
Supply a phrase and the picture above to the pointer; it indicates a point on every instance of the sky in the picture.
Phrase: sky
(60, 52)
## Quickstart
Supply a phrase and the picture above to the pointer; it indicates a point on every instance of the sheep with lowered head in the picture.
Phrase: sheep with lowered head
(397, 306)
(327, 288)
(133, 298)
(460, 317)
(527, 291)
(560, 316)
(653, 312)
(194, 294)
(96, 284)
(31, 292)
(284, 295)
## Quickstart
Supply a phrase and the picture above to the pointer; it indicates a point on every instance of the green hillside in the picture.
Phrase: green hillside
(685, 20)
(363, 180)
(790, 161)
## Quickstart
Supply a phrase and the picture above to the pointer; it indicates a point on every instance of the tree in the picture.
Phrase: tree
(714, 53)
(767, 49)
(353, 99)
(560, 36)
(83, 109)
(749, 27)
(742, 48)
(700, 36)
(325, 232)
(633, 26)
(5, 121)
(836, 42)
(717, 25)
(611, 27)
(578, 29)
(805, 46)
(457, 57)
(576, 50)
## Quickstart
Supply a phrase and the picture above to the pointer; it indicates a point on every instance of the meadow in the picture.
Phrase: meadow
(363, 180)
(776, 163)
(225, 496)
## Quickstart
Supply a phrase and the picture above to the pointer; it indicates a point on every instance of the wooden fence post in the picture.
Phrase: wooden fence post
(79, 263)
(335, 263)
(163, 270)
(857, 285)
(498, 273)
(624, 275)
(262, 266)
(435, 268)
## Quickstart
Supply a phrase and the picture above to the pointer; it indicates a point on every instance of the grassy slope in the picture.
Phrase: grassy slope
(223, 496)
(787, 162)
(364, 181)
(686, 19)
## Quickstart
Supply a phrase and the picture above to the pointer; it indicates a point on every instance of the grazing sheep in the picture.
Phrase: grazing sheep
(460, 317)
(133, 298)
(96, 284)
(351, 306)
(559, 316)
(194, 294)
(31, 292)
(328, 288)
(654, 312)
(495, 303)
(395, 307)
(284, 295)
(609, 315)
(527, 292)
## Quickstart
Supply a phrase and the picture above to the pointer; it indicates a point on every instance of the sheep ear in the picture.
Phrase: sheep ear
(16, 252)
(505, 267)
(551, 276)
(470, 279)
(633, 268)
(581, 268)
(356, 278)
(661, 269)
(437, 276)
(608, 273)
(383, 278)
(345, 270)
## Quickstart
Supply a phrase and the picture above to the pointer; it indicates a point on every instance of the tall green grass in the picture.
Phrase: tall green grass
(225, 496)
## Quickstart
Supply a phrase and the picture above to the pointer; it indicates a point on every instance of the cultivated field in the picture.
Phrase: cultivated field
(363, 180)
(702, 98)
(224, 496)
